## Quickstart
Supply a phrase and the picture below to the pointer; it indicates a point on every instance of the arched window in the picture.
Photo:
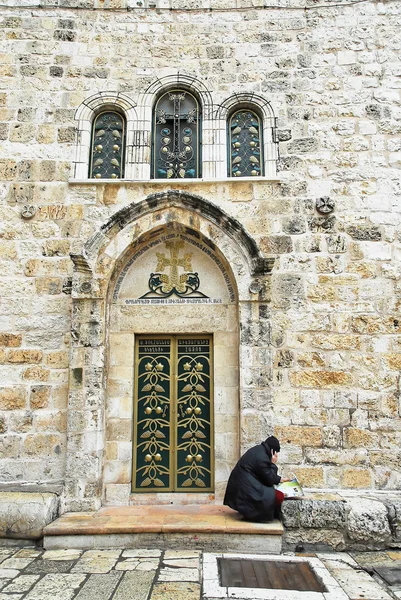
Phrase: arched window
(107, 146)
(245, 144)
(176, 136)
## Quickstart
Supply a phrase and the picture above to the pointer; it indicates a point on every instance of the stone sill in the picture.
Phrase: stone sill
(161, 182)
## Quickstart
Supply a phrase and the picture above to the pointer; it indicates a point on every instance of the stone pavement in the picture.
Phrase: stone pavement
(116, 574)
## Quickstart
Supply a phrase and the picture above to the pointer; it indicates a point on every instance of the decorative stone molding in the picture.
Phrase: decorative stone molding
(193, 204)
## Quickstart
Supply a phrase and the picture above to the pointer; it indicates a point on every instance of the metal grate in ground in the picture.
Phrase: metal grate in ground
(268, 574)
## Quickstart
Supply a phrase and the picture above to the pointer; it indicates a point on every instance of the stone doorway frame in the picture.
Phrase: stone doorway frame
(93, 270)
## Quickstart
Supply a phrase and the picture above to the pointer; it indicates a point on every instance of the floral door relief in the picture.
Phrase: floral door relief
(173, 434)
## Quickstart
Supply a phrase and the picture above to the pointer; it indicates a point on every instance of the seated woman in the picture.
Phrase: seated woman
(250, 488)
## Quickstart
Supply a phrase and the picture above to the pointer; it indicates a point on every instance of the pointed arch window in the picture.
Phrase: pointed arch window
(245, 144)
(176, 136)
(107, 146)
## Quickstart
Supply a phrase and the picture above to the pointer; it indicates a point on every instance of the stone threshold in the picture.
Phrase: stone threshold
(159, 519)
(200, 527)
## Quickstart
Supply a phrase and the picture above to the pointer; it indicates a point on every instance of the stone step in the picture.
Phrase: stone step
(202, 527)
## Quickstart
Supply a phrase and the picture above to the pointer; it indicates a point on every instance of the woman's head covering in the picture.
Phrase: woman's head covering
(273, 443)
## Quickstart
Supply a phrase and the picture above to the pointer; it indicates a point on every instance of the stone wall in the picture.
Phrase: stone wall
(325, 340)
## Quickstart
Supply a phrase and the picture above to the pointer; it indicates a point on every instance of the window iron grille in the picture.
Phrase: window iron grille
(176, 136)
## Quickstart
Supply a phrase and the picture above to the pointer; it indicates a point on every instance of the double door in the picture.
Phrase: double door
(173, 409)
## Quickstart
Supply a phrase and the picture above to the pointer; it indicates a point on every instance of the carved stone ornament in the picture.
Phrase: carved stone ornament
(255, 287)
(28, 211)
(325, 205)
(86, 287)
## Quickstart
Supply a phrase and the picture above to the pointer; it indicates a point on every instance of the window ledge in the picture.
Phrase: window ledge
(174, 181)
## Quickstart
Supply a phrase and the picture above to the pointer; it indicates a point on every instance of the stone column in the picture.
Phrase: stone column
(85, 431)
(256, 408)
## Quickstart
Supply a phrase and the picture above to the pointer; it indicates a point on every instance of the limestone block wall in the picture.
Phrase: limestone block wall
(324, 343)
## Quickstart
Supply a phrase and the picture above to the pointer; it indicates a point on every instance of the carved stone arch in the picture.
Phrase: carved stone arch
(188, 82)
(86, 113)
(246, 99)
(160, 208)
(263, 106)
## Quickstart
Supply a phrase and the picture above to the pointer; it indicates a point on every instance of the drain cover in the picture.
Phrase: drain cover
(268, 574)
(391, 575)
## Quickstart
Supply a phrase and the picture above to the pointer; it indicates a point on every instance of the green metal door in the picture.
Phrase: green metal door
(173, 410)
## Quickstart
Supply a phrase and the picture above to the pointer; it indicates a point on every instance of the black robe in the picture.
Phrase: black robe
(250, 486)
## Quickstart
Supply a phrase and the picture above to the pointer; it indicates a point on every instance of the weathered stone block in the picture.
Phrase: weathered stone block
(23, 515)
(12, 398)
(302, 146)
(324, 514)
(356, 478)
(276, 244)
(298, 435)
(41, 445)
(25, 356)
(320, 379)
(322, 224)
(365, 232)
(367, 523)
(287, 290)
(40, 396)
(36, 374)
(394, 516)
(10, 340)
(294, 225)
(360, 438)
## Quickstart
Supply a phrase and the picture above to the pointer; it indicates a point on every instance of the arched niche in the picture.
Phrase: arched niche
(171, 281)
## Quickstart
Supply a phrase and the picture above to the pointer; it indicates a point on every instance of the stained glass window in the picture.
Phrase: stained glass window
(176, 136)
(245, 144)
(107, 150)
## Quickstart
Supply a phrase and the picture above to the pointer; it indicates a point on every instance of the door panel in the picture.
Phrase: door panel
(152, 417)
(173, 429)
(193, 414)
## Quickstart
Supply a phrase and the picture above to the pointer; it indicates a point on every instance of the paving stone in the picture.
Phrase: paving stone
(8, 573)
(108, 553)
(21, 584)
(147, 565)
(94, 565)
(341, 557)
(391, 575)
(99, 587)
(182, 562)
(394, 555)
(181, 554)
(134, 586)
(56, 586)
(68, 554)
(176, 591)
(10, 596)
(4, 583)
(168, 574)
(359, 585)
(367, 559)
(16, 563)
(50, 566)
(28, 553)
(127, 565)
(141, 553)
